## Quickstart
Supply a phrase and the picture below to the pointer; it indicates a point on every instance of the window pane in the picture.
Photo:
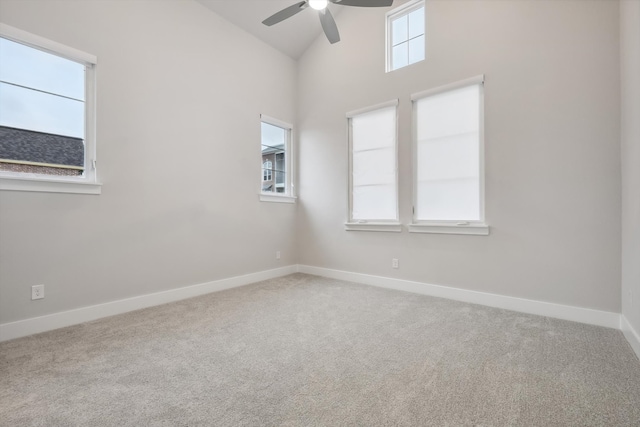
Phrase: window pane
(399, 30)
(274, 173)
(280, 170)
(273, 136)
(26, 66)
(400, 56)
(374, 202)
(416, 50)
(416, 23)
(27, 109)
(448, 156)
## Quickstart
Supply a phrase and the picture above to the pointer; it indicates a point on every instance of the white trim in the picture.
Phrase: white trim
(380, 106)
(451, 86)
(277, 199)
(42, 43)
(477, 229)
(630, 334)
(275, 122)
(49, 322)
(373, 226)
(540, 308)
(49, 185)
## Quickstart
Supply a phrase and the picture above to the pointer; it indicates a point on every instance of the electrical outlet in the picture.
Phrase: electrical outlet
(37, 292)
(394, 263)
(277, 254)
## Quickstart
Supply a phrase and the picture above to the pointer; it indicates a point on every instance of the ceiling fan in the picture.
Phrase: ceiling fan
(326, 19)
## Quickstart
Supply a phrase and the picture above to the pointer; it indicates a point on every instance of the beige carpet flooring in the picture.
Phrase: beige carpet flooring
(309, 351)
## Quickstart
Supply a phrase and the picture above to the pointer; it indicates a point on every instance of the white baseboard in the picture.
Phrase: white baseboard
(630, 334)
(558, 311)
(49, 322)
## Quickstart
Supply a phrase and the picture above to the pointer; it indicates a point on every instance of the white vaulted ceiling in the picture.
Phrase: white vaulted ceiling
(291, 36)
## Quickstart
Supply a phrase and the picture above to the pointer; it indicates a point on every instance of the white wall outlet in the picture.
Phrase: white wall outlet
(395, 263)
(277, 254)
(37, 292)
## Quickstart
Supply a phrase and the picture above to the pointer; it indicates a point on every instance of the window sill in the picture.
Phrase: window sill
(394, 227)
(277, 199)
(49, 185)
(477, 229)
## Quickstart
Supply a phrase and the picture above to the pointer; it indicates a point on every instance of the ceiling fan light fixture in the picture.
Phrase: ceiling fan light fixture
(318, 4)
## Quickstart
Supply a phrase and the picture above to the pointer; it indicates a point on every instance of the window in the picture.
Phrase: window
(276, 150)
(47, 132)
(405, 35)
(449, 178)
(373, 178)
(267, 168)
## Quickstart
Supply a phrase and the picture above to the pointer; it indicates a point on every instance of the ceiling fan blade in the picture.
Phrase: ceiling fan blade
(364, 3)
(329, 26)
(285, 13)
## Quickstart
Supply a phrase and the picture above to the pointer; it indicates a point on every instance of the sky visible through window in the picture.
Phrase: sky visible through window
(40, 91)
(407, 39)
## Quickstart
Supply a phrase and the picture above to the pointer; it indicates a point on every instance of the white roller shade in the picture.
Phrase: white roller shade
(448, 155)
(374, 175)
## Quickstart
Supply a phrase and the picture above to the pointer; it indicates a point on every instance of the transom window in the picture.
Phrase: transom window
(46, 112)
(405, 35)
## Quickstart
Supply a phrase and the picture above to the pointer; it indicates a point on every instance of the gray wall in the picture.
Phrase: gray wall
(179, 99)
(630, 53)
(552, 103)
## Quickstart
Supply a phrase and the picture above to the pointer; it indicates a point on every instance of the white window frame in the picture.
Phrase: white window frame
(288, 196)
(370, 225)
(87, 184)
(478, 227)
(405, 9)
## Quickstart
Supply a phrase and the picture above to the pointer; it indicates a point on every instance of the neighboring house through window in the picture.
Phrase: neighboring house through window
(47, 135)
(276, 161)
(405, 35)
(449, 159)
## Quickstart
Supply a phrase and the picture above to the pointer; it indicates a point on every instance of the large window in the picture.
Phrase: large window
(276, 183)
(405, 35)
(448, 156)
(46, 115)
(373, 179)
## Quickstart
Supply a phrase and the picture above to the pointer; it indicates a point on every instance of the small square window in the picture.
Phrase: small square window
(405, 35)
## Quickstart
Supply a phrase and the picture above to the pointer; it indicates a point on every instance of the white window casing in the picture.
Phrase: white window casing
(373, 168)
(288, 195)
(88, 182)
(448, 156)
